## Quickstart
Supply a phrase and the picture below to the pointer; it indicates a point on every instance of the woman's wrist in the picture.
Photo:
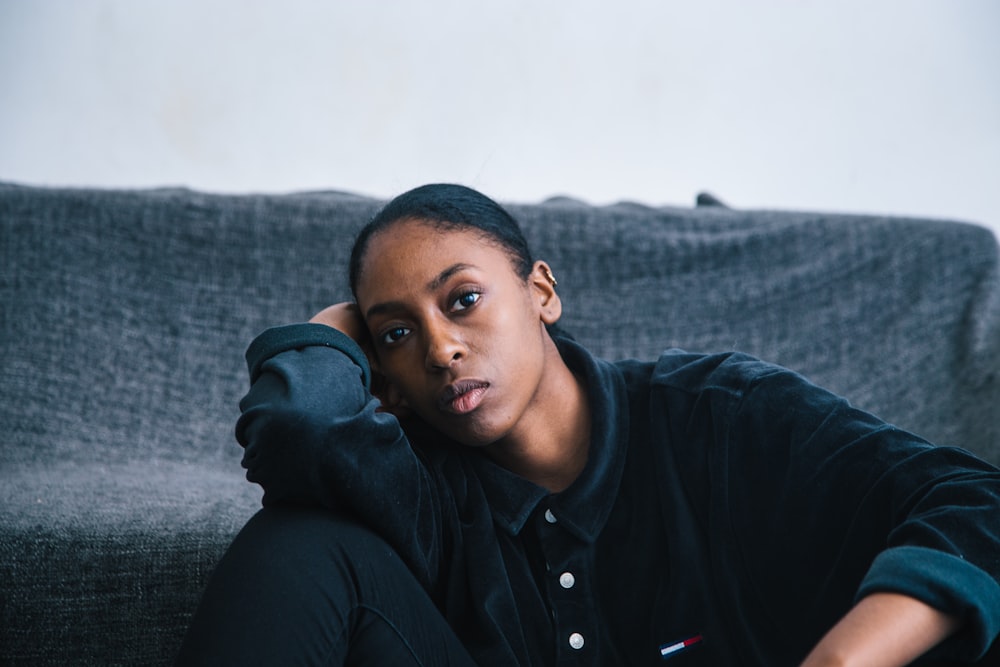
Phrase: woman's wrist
(883, 630)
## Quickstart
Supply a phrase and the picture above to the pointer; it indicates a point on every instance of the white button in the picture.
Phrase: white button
(566, 580)
(549, 516)
(576, 640)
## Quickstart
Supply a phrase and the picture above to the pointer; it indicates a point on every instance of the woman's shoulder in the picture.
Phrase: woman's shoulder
(730, 371)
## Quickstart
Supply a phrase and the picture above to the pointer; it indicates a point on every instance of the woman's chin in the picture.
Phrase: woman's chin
(473, 434)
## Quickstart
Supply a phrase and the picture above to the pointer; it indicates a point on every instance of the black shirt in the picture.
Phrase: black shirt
(730, 512)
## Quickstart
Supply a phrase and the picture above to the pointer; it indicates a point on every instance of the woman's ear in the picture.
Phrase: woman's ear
(543, 286)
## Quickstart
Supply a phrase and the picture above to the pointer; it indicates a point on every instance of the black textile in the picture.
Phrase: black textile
(303, 586)
(726, 502)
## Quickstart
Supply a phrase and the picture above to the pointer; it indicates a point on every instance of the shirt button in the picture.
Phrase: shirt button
(549, 516)
(576, 640)
(566, 580)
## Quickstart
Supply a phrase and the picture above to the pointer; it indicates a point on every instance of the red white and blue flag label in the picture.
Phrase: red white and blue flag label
(670, 650)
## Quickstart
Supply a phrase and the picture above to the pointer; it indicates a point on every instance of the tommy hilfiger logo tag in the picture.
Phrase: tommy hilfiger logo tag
(670, 650)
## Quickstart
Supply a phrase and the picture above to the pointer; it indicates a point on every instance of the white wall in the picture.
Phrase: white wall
(854, 105)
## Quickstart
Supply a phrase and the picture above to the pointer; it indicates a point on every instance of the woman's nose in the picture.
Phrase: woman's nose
(444, 348)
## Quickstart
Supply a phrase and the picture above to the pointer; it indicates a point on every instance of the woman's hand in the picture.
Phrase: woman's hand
(883, 629)
(346, 318)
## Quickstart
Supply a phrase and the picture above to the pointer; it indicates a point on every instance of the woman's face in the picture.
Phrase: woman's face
(455, 330)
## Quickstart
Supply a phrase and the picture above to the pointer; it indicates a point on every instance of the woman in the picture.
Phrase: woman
(448, 482)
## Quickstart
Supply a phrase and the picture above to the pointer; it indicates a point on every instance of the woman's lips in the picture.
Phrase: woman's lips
(463, 396)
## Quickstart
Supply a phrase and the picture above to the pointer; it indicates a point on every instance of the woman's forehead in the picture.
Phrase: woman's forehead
(415, 249)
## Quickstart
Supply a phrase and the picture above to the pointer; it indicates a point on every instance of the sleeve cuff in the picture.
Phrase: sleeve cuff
(946, 582)
(276, 340)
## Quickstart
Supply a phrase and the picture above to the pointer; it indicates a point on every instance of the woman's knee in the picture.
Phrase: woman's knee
(291, 583)
(313, 552)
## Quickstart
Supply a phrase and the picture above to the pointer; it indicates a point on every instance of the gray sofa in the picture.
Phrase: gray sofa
(125, 315)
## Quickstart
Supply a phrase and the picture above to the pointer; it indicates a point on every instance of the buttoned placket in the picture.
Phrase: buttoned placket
(567, 577)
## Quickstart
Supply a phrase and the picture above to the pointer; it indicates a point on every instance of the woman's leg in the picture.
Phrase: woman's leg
(307, 587)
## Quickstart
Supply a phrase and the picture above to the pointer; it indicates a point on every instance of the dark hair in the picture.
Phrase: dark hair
(447, 206)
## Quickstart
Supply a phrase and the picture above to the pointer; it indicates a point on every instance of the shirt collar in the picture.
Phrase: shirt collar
(583, 508)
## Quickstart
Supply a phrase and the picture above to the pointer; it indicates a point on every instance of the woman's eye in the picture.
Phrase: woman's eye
(394, 335)
(467, 300)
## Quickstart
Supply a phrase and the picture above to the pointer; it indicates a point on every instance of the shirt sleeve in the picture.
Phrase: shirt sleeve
(312, 434)
(823, 496)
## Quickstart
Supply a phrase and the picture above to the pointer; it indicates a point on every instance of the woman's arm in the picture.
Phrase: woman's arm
(867, 500)
(346, 318)
(820, 506)
(882, 630)
(314, 434)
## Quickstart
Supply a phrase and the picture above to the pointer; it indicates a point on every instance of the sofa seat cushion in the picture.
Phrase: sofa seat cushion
(112, 553)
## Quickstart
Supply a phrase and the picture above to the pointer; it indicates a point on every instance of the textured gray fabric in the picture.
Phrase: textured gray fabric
(103, 564)
(901, 316)
(125, 315)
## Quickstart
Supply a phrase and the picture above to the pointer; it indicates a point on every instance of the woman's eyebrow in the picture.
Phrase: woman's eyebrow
(383, 308)
(442, 277)
(439, 280)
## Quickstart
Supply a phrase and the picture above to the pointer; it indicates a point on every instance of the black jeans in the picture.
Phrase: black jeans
(308, 587)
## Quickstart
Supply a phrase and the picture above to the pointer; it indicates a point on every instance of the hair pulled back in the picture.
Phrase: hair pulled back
(447, 206)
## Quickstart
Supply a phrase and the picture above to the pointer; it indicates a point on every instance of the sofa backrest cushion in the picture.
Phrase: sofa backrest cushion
(125, 314)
